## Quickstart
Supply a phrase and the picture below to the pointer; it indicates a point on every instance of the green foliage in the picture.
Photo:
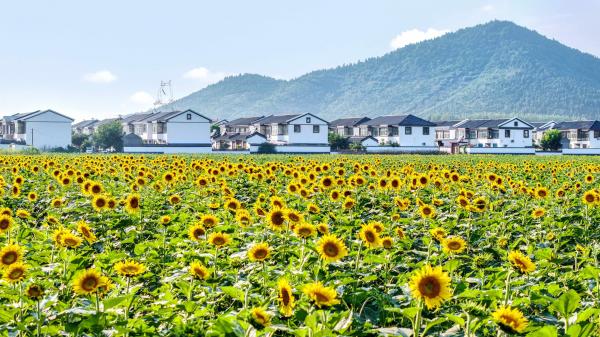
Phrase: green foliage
(497, 69)
(79, 140)
(109, 136)
(337, 142)
(551, 140)
(266, 148)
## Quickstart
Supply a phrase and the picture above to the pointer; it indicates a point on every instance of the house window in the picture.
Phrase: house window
(471, 134)
(307, 120)
(425, 130)
(525, 133)
(188, 117)
(507, 133)
(316, 129)
(408, 130)
(596, 133)
(516, 123)
(296, 128)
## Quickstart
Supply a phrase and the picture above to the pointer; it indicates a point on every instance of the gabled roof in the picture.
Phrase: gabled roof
(307, 114)
(135, 117)
(273, 119)
(446, 123)
(348, 122)
(163, 116)
(27, 115)
(360, 139)
(85, 123)
(243, 121)
(481, 123)
(582, 125)
(400, 120)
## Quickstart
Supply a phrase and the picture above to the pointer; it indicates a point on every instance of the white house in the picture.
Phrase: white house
(580, 137)
(43, 130)
(347, 127)
(84, 127)
(233, 135)
(402, 133)
(506, 136)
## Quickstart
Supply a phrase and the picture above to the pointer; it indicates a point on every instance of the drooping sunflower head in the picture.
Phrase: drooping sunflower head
(129, 268)
(387, 242)
(259, 252)
(35, 292)
(84, 229)
(69, 240)
(305, 230)
(219, 239)
(243, 217)
(209, 221)
(331, 248)
(510, 320)
(294, 216)
(285, 297)
(260, 317)
(370, 236)
(15, 272)
(431, 285)
(10, 254)
(454, 245)
(521, 262)
(23, 214)
(438, 233)
(199, 271)
(320, 295)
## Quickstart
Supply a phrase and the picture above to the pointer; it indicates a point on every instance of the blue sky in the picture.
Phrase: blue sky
(104, 58)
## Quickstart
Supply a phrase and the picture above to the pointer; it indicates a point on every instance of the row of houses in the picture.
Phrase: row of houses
(192, 132)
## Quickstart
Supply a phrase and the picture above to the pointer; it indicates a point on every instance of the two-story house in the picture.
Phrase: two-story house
(484, 135)
(580, 134)
(42, 129)
(401, 133)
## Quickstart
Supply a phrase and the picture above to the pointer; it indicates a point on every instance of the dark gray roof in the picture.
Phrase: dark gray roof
(446, 123)
(280, 119)
(135, 117)
(481, 123)
(157, 116)
(402, 120)
(84, 123)
(19, 116)
(352, 121)
(243, 121)
(238, 136)
(583, 125)
(359, 139)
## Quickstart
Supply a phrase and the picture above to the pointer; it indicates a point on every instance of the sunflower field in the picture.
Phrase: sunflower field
(159, 245)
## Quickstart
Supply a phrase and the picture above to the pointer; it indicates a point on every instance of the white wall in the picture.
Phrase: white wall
(167, 149)
(306, 134)
(49, 130)
(181, 130)
(588, 151)
(416, 138)
(401, 149)
(500, 150)
(296, 149)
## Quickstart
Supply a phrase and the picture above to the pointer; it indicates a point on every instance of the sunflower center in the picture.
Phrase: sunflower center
(4, 223)
(330, 249)
(260, 253)
(15, 274)
(454, 245)
(369, 236)
(426, 211)
(9, 258)
(89, 283)
(320, 297)
(285, 297)
(219, 241)
(277, 219)
(430, 287)
(134, 203)
(130, 269)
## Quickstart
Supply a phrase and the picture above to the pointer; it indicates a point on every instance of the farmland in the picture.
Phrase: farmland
(133, 245)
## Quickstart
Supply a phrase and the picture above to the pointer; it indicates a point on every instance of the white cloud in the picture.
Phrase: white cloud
(487, 8)
(142, 99)
(204, 75)
(102, 76)
(414, 36)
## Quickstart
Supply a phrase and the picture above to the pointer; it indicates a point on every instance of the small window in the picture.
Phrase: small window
(297, 128)
(525, 133)
(188, 117)
(426, 130)
(316, 129)
(507, 133)
(516, 123)
(307, 120)
(408, 130)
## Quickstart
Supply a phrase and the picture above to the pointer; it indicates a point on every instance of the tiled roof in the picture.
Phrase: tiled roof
(481, 123)
(401, 120)
(243, 121)
(446, 123)
(276, 119)
(349, 121)
(583, 125)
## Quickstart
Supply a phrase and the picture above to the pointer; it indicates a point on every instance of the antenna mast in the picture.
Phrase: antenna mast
(164, 94)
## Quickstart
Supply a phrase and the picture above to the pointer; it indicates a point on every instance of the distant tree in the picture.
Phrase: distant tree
(357, 147)
(215, 130)
(552, 140)
(109, 136)
(79, 139)
(337, 142)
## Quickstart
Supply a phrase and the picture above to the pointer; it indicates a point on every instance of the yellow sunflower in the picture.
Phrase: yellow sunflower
(209, 221)
(199, 271)
(370, 236)
(427, 211)
(454, 245)
(305, 230)
(15, 272)
(6, 222)
(132, 203)
(219, 239)
(260, 316)
(321, 295)
(538, 213)
(431, 285)
(331, 248)
(10, 254)
(521, 262)
(276, 219)
(510, 320)
(69, 240)
(35, 292)
(285, 297)
(129, 268)
(196, 232)
(84, 229)
(100, 203)
(387, 242)
(87, 282)
(259, 252)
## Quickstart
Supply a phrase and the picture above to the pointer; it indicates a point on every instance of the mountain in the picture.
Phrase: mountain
(497, 69)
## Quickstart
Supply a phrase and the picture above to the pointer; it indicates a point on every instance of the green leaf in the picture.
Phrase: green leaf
(546, 331)
(566, 304)
(587, 313)
(235, 293)
(114, 301)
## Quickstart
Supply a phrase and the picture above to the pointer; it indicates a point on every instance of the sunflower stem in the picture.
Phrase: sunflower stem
(39, 318)
(507, 288)
(417, 326)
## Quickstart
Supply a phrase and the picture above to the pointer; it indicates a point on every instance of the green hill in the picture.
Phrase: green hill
(490, 70)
